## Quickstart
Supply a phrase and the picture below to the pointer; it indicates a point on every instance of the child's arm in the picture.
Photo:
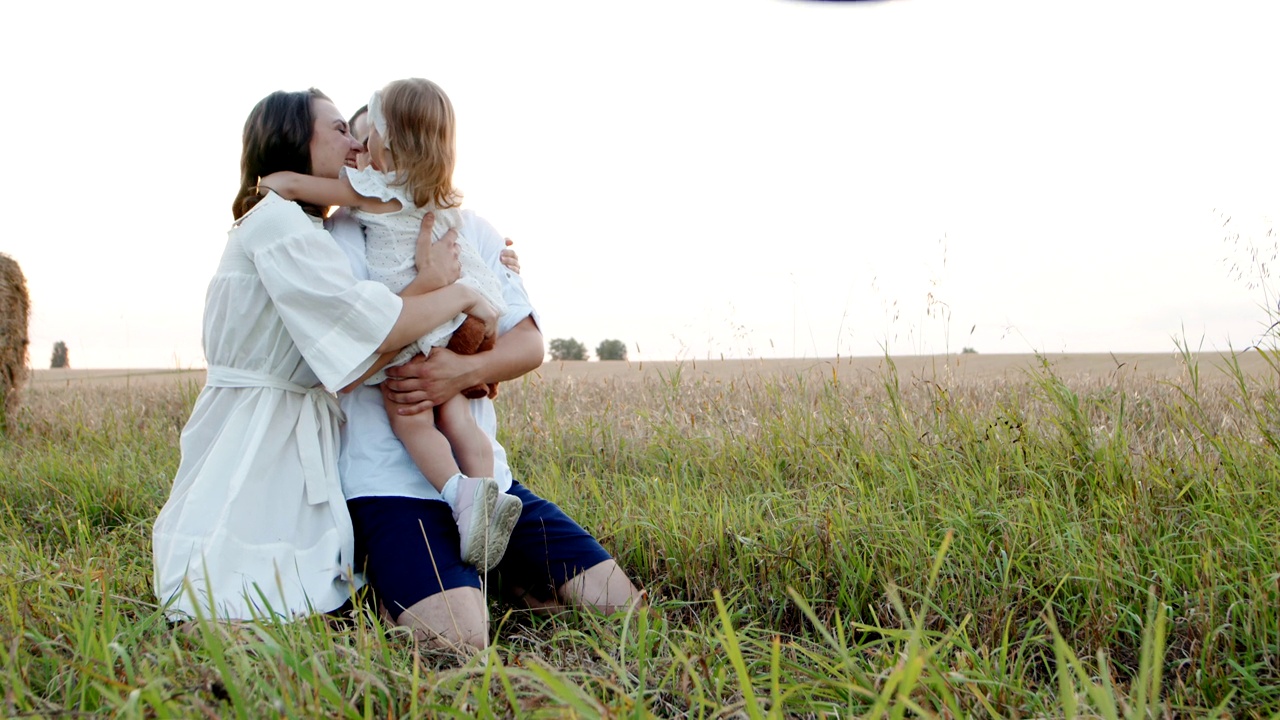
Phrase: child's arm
(323, 191)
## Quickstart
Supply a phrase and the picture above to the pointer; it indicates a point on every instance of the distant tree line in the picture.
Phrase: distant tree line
(571, 349)
(60, 358)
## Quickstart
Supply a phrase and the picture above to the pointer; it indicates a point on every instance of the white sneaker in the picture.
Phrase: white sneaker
(485, 516)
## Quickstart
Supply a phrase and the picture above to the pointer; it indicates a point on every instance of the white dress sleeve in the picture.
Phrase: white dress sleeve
(336, 321)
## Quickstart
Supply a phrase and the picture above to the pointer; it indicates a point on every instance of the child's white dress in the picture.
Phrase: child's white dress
(390, 241)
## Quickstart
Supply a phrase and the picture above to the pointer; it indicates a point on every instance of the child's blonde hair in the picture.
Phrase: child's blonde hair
(421, 139)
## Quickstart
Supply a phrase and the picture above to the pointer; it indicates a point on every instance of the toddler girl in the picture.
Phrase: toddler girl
(409, 172)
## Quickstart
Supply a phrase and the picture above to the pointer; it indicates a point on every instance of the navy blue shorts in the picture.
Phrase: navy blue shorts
(409, 549)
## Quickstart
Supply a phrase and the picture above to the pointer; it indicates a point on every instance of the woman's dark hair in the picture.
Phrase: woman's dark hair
(277, 137)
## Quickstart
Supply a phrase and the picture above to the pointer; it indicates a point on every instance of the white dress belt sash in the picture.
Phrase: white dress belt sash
(316, 427)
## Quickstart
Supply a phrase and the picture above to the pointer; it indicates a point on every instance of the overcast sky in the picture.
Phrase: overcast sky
(695, 177)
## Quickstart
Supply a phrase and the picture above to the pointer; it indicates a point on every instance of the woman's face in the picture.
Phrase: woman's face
(332, 145)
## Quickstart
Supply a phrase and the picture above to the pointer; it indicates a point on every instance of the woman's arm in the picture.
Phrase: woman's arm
(377, 365)
(420, 314)
(323, 191)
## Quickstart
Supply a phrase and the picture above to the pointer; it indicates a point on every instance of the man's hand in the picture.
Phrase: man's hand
(426, 382)
(508, 257)
(437, 262)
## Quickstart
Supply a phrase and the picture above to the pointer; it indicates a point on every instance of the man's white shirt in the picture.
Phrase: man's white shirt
(372, 461)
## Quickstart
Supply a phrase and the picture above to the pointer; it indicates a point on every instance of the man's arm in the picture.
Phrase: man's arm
(425, 382)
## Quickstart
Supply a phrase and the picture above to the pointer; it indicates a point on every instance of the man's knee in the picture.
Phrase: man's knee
(456, 619)
(603, 587)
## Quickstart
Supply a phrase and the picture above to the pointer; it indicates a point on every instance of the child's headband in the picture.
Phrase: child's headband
(377, 119)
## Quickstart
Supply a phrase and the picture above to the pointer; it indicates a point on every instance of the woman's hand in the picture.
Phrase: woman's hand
(437, 262)
(487, 314)
(509, 258)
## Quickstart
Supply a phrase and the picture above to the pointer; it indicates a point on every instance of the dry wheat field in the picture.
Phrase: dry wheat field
(949, 536)
(974, 367)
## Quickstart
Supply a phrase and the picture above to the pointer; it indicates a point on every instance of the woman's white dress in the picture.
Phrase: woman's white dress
(256, 524)
(390, 241)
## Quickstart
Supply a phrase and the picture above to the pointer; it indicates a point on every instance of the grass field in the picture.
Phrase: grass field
(950, 536)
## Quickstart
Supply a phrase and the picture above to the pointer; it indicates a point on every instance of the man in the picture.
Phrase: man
(406, 540)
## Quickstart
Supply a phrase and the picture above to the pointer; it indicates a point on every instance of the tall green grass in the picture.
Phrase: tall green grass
(812, 545)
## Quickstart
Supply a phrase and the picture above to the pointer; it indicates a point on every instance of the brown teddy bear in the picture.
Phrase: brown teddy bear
(470, 339)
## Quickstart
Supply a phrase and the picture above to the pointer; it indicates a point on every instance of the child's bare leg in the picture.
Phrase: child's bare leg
(474, 452)
(485, 516)
(428, 447)
(471, 447)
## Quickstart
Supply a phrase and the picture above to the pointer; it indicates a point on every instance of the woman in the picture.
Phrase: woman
(255, 523)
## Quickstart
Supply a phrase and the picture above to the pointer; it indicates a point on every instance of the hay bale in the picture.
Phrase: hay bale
(15, 311)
